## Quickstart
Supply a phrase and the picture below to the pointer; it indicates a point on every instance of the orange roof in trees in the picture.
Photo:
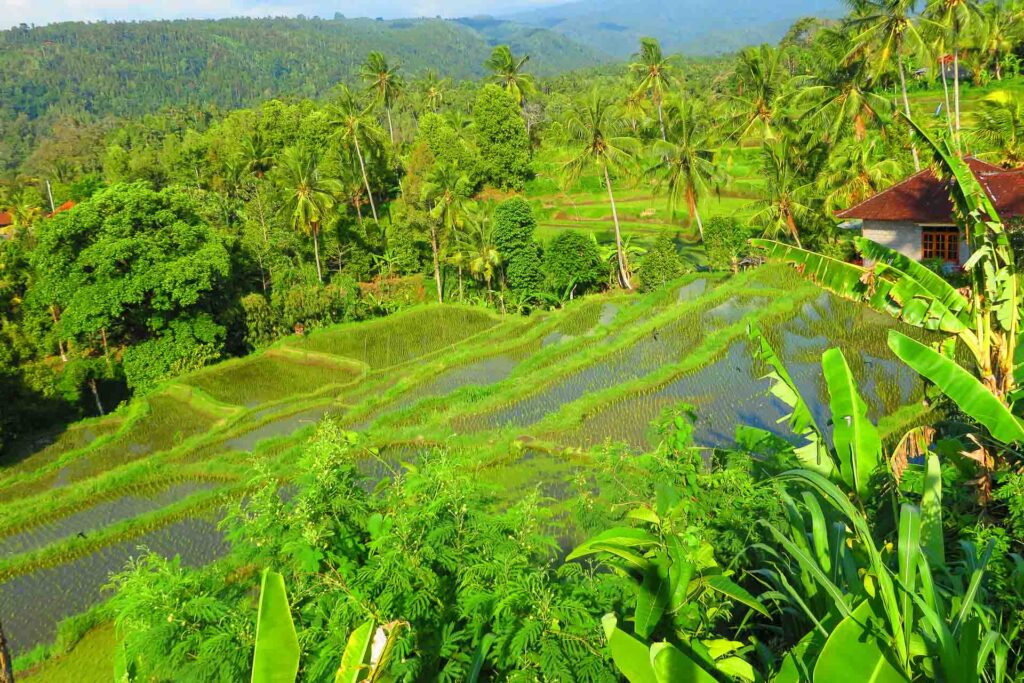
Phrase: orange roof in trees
(923, 198)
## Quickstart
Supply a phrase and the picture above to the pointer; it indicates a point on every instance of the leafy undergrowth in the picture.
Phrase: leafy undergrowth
(522, 398)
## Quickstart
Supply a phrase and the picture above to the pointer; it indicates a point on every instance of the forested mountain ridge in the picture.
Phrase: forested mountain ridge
(699, 27)
(130, 69)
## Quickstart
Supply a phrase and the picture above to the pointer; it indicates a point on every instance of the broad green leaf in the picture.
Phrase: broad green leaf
(908, 545)
(727, 587)
(654, 596)
(630, 656)
(672, 665)
(480, 657)
(960, 386)
(856, 441)
(623, 537)
(680, 573)
(931, 510)
(853, 653)
(355, 660)
(276, 659)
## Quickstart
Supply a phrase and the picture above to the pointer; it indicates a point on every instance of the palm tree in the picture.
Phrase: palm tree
(1000, 125)
(889, 25)
(759, 73)
(257, 157)
(477, 243)
(384, 82)
(507, 71)
(592, 128)
(434, 90)
(446, 192)
(634, 110)
(309, 197)
(954, 15)
(654, 71)
(357, 130)
(788, 194)
(687, 160)
(856, 170)
(999, 33)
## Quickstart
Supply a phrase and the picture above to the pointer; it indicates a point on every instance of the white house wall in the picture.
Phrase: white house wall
(904, 237)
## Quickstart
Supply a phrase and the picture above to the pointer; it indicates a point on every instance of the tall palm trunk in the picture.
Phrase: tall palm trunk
(691, 201)
(96, 395)
(366, 179)
(661, 121)
(956, 81)
(906, 109)
(619, 253)
(945, 92)
(316, 251)
(391, 128)
(437, 265)
(6, 665)
(791, 224)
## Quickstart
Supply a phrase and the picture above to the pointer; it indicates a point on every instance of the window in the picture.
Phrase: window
(941, 243)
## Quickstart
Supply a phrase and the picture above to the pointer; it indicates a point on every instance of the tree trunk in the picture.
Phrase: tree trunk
(956, 83)
(461, 297)
(60, 344)
(906, 109)
(661, 122)
(791, 223)
(6, 664)
(391, 129)
(945, 90)
(106, 349)
(366, 180)
(437, 266)
(96, 396)
(316, 253)
(694, 213)
(623, 271)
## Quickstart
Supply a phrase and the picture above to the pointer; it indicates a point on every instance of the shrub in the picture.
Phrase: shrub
(187, 344)
(660, 264)
(725, 240)
(514, 225)
(260, 322)
(502, 139)
(573, 259)
(448, 148)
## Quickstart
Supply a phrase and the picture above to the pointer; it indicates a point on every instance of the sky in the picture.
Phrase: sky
(14, 12)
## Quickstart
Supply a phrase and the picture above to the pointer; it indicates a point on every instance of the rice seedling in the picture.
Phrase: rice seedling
(37, 452)
(273, 376)
(397, 339)
(283, 426)
(136, 501)
(33, 603)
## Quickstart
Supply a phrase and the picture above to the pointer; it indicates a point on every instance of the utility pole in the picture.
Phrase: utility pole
(6, 668)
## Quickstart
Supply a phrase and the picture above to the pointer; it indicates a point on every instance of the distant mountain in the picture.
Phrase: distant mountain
(691, 26)
(138, 67)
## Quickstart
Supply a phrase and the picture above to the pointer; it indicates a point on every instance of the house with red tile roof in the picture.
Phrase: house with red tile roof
(915, 216)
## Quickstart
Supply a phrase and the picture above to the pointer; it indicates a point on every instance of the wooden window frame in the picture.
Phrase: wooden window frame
(942, 242)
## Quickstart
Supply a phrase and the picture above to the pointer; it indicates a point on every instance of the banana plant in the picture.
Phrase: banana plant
(675, 573)
(985, 319)
(367, 656)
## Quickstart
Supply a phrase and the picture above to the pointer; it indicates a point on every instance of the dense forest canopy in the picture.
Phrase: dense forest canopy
(179, 229)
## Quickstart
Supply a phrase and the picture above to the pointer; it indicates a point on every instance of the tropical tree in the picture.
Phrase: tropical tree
(257, 155)
(654, 74)
(507, 72)
(635, 110)
(309, 196)
(759, 90)
(855, 171)
(446, 193)
(789, 195)
(476, 240)
(999, 125)
(599, 145)
(434, 90)
(356, 129)
(384, 82)
(998, 34)
(954, 16)
(885, 30)
(687, 166)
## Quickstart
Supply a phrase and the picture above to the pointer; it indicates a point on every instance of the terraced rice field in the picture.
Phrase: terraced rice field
(522, 398)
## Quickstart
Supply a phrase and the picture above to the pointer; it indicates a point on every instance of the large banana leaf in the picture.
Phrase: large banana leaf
(276, 659)
(931, 510)
(814, 455)
(857, 445)
(355, 659)
(672, 664)
(839, 277)
(631, 657)
(854, 652)
(960, 386)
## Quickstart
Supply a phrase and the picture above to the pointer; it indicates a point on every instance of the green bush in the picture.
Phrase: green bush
(502, 139)
(660, 264)
(514, 225)
(725, 240)
(185, 345)
(572, 259)
(260, 321)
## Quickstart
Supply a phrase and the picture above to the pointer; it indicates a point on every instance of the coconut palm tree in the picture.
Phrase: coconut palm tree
(654, 72)
(309, 196)
(594, 131)
(999, 125)
(789, 196)
(507, 71)
(477, 243)
(857, 170)
(998, 35)
(886, 30)
(634, 110)
(446, 193)
(384, 82)
(257, 156)
(357, 130)
(434, 90)
(954, 16)
(687, 160)
(761, 83)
